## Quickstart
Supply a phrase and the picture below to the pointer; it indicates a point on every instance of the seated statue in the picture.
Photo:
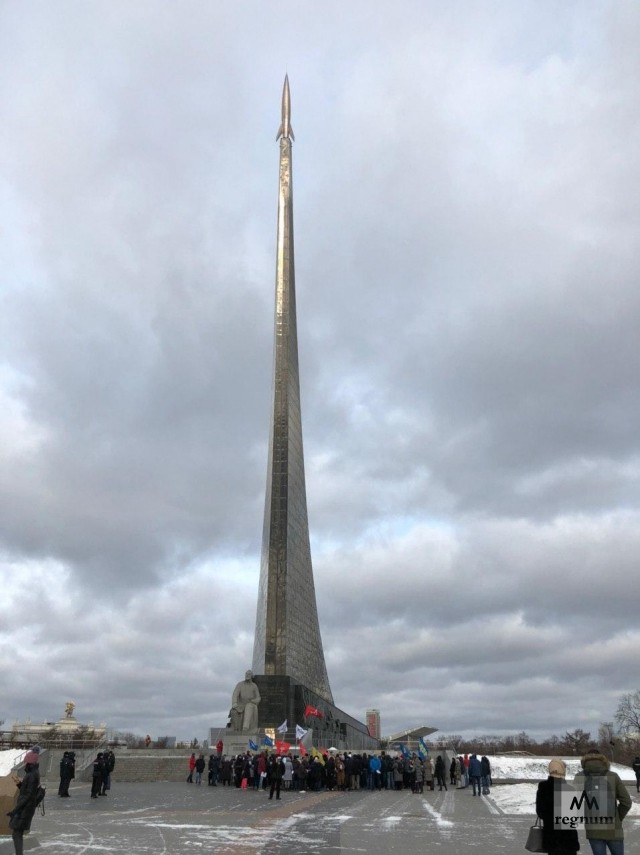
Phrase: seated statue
(244, 705)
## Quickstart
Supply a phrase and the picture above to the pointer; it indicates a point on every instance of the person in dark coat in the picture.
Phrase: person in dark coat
(475, 773)
(556, 841)
(67, 773)
(440, 773)
(636, 768)
(22, 814)
(485, 765)
(97, 776)
(225, 768)
(275, 771)
(109, 765)
(200, 764)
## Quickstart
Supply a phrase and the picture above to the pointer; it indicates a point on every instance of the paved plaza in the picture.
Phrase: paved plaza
(171, 819)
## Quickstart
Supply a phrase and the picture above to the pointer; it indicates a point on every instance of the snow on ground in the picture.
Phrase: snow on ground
(536, 768)
(521, 799)
(10, 758)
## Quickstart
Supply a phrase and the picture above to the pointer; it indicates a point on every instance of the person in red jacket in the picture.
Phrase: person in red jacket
(192, 766)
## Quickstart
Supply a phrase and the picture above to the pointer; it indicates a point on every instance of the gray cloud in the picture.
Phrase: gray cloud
(467, 292)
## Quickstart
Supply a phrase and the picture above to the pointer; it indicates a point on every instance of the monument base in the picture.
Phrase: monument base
(283, 699)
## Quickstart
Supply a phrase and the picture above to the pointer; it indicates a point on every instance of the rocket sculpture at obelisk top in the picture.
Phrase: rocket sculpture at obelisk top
(287, 640)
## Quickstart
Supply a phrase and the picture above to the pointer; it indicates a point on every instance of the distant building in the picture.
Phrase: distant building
(373, 723)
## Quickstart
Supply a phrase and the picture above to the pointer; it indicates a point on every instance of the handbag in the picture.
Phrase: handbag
(534, 840)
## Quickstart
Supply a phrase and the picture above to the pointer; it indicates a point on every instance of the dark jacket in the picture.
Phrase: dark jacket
(596, 765)
(67, 767)
(23, 812)
(567, 840)
(475, 767)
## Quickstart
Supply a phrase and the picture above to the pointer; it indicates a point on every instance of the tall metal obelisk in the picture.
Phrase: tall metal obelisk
(287, 640)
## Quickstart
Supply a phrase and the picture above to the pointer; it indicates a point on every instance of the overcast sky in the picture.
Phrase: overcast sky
(467, 215)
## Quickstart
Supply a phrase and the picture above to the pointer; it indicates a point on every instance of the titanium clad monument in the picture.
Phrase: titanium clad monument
(288, 659)
(287, 638)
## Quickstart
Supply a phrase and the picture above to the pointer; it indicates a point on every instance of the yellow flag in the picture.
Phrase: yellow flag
(315, 753)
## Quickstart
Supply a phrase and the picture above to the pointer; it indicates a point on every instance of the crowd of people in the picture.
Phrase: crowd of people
(345, 771)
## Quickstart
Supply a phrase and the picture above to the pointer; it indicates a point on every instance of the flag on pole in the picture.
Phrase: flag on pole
(283, 727)
(312, 711)
(424, 745)
(300, 732)
(303, 751)
(317, 755)
(266, 740)
(252, 745)
(282, 747)
(405, 751)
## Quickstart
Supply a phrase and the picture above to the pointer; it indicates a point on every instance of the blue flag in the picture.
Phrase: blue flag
(405, 751)
(268, 741)
(424, 745)
(252, 745)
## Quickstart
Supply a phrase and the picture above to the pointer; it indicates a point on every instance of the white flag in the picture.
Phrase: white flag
(300, 732)
(283, 727)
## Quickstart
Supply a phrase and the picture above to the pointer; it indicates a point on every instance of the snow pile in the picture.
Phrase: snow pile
(536, 768)
(10, 758)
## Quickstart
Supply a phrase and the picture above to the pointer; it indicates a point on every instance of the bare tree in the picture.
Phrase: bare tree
(453, 740)
(628, 713)
(577, 741)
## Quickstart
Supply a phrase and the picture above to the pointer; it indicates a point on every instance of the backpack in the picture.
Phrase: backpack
(40, 794)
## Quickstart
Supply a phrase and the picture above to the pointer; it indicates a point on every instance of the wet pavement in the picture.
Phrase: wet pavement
(170, 819)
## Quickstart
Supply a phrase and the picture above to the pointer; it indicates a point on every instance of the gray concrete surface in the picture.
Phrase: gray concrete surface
(170, 819)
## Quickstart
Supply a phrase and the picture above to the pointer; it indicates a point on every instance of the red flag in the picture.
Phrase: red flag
(303, 751)
(282, 747)
(309, 711)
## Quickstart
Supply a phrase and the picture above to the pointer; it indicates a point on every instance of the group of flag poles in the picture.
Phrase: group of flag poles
(283, 747)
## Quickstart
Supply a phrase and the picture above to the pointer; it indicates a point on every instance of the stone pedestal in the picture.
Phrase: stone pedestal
(236, 742)
(284, 698)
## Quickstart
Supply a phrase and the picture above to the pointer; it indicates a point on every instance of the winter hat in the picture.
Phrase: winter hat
(557, 768)
(31, 757)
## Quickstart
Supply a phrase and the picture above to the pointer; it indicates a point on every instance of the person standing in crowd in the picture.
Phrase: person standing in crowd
(452, 771)
(97, 776)
(440, 772)
(596, 772)
(225, 771)
(109, 765)
(375, 772)
(465, 769)
(556, 841)
(636, 769)
(418, 786)
(428, 773)
(275, 771)
(475, 774)
(67, 773)
(219, 747)
(199, 767)
(22, 813)
(485, 765)
(192, 766)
